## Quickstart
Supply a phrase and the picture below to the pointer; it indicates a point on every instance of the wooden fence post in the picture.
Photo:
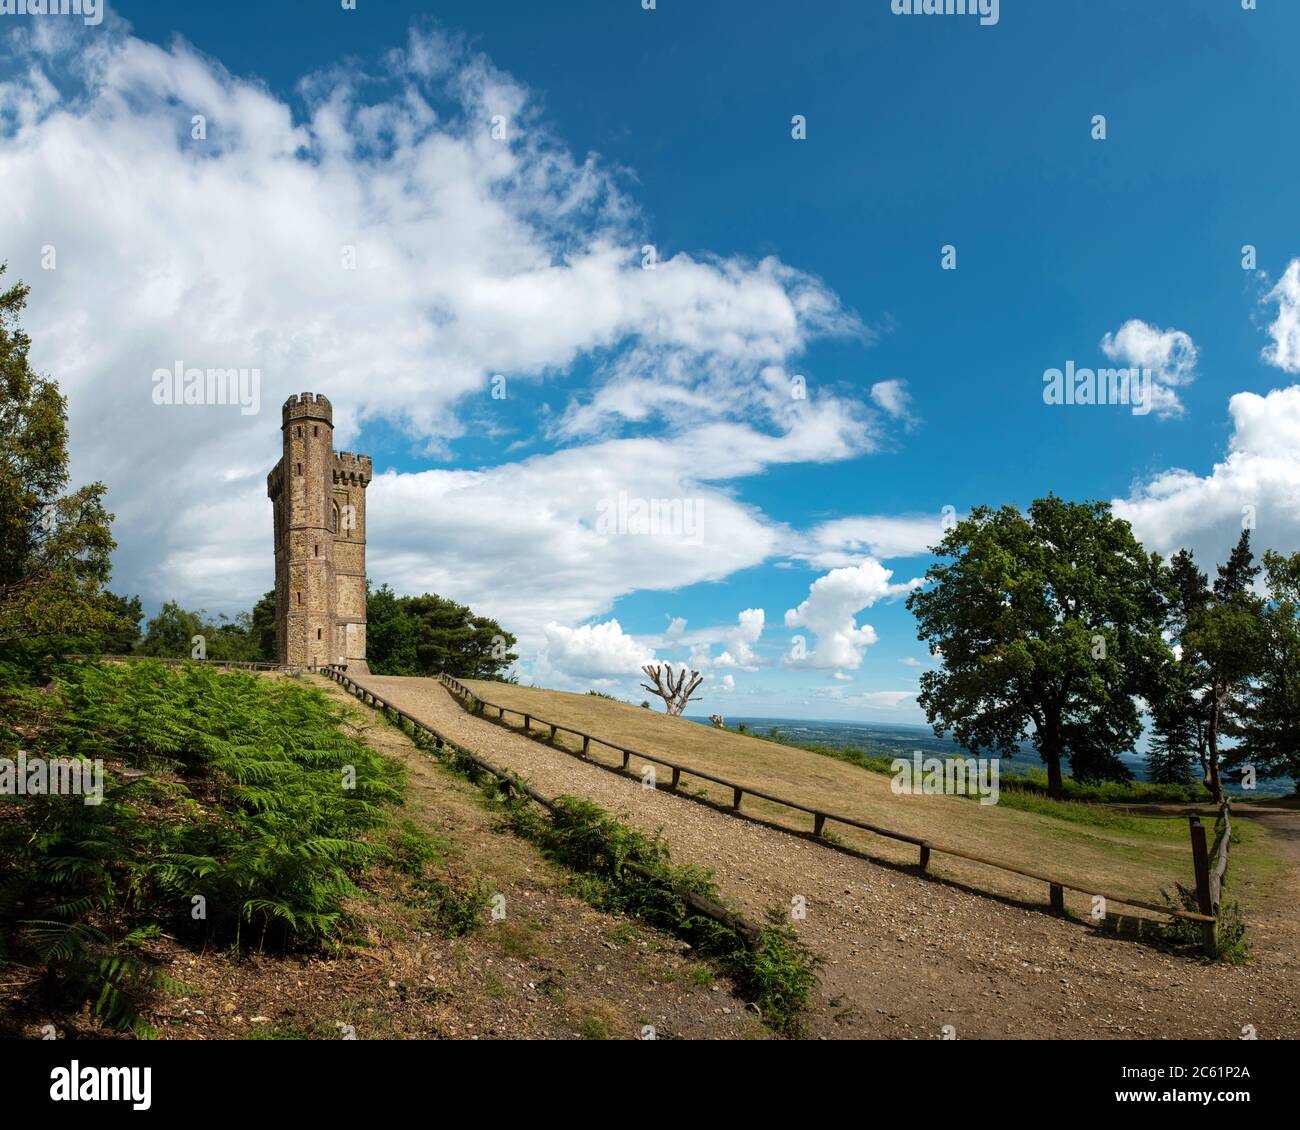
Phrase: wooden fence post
(1201, 867)
(1058, 898)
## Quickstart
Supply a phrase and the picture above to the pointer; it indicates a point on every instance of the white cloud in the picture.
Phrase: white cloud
(844, 541)
(1258, 481)
(473, 257)
(830, 613)
(869, 700)
(521, 542)
(1285, 330)
(892, 398)
(908, 661)
(1169, 354)
(594, 650)
(738, 643)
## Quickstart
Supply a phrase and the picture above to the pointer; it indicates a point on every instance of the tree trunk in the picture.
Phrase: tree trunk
(1213, 781)
(1050, 751)
(1055, 785)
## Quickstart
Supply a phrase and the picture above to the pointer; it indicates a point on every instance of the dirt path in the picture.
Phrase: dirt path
(906, 956)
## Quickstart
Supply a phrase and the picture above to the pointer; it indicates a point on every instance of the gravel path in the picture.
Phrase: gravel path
(906, 956)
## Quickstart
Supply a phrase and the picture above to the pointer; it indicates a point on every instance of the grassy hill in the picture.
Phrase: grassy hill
(271, 860)
(1125, 853)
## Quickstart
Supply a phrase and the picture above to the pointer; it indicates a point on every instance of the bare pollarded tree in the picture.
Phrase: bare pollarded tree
(675, 690)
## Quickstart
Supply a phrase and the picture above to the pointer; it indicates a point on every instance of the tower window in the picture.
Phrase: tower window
(318, 633)
(315, 550)
(315, 430)
(334, 518)
(297, 468)
(299, 598)
(299, 431)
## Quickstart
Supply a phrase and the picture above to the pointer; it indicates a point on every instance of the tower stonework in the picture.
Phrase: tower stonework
(319, 501)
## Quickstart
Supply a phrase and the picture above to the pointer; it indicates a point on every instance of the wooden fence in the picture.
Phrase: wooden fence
(820, 818)
(750, 933)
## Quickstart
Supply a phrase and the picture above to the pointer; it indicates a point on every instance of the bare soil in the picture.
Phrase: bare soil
(907, 956)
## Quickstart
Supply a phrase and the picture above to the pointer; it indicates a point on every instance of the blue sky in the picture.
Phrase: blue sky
(777, 258)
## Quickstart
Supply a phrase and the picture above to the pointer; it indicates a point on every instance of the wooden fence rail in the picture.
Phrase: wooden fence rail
(750, 933)
(821, 818)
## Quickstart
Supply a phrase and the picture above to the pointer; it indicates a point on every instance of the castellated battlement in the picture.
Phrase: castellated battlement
(351, 468)
(308, 406)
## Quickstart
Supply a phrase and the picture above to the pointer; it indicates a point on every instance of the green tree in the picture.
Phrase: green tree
(1269, 728)
(263, 629)
(171, 633)
(1219, 632)
(391, 635)
(123, 637)
(1048, 625)
(54, 546)
(1178, 737)
(233, 638)
(422, 635)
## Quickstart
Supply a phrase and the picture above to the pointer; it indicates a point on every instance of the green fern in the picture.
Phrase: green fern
(244, 806)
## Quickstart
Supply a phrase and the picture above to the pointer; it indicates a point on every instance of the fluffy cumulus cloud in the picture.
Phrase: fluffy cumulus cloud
(1284, 351)
(830, 613)
(737, 642)
(369, 238)
(1169, 354)
(1258, 483)
(601, 651)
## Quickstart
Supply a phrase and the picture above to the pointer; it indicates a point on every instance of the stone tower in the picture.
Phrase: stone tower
(319, 496)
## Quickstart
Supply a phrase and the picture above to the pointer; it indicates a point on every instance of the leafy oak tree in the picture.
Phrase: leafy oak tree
(1048, 626)
(54, 543)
